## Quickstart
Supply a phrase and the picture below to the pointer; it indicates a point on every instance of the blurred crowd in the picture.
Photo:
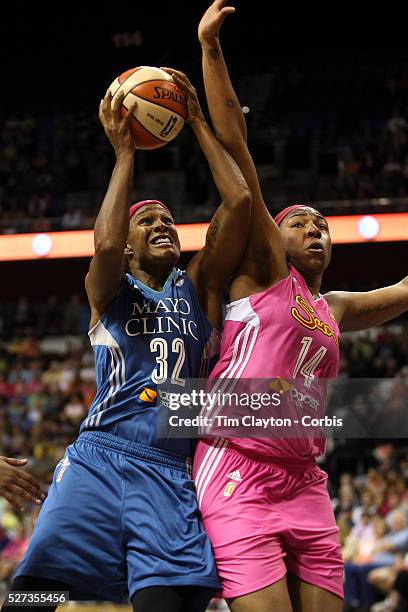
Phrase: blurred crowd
(371, 510)
(25, 317)
(318, 133)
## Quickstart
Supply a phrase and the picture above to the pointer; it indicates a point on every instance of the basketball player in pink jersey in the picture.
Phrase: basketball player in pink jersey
(264, 502)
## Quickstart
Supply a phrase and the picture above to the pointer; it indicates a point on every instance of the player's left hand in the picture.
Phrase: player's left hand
(194, 112)
(212, 20)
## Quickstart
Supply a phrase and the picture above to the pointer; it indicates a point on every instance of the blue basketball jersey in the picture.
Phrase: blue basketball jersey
(144, 338)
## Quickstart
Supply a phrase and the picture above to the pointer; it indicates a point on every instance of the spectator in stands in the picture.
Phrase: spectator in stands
(358, 591)
(17, 531)
(44, 161)
(71, 219)
(13, 552)
(383, 580)
(360, 544)
(367, 506)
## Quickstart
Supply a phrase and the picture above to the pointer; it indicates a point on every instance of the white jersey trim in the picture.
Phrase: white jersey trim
(242, 311)
(117, 379)
(208, 466)
(228, 379)
(100, 336)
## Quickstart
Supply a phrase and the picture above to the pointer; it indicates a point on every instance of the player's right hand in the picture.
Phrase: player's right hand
(194, 112)
(16, 486)
(212, 20)
(117, 128)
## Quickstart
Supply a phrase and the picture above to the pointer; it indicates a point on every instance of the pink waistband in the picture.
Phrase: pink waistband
(292, 464)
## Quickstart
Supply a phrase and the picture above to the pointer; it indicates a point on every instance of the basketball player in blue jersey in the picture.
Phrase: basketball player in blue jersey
(121, 516)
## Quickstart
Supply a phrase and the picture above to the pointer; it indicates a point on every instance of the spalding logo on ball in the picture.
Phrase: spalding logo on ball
(161, 105)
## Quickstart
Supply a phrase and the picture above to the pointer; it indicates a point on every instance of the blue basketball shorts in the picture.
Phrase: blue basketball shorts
(119, 517)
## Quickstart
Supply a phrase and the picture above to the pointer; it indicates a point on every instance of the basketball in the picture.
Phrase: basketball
(161, 105)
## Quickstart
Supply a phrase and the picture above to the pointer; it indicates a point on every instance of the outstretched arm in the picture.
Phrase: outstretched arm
(224, 107)
(230, 127)
(112, 223)
(355, 311)
(227, 234)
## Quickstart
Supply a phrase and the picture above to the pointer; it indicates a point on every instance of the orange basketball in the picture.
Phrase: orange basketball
(161, 105)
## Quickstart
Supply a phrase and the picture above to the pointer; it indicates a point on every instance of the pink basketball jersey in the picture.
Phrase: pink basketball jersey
(279, 332)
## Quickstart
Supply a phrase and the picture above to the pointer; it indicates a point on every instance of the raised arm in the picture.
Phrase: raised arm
(226, 238)
(355, 311)
(112, 223)
(230, 127)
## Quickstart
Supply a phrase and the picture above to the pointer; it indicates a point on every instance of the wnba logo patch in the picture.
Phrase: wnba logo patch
(64, 464)
(229, 489)
(148, 395)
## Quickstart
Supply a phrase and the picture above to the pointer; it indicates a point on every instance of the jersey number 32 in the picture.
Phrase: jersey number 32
(161, 372)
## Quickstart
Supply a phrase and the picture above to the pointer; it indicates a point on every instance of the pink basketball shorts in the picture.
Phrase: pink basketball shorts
(265, 519)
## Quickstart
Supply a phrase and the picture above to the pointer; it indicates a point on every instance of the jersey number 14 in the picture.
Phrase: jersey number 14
(307, 368)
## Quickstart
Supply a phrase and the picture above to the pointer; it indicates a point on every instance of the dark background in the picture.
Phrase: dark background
(62, 56)
(54, 53)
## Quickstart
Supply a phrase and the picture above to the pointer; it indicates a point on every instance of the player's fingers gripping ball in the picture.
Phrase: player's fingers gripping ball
(193, 105)
(161, 108)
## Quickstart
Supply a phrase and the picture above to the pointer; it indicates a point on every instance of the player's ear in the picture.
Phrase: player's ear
(128, 250)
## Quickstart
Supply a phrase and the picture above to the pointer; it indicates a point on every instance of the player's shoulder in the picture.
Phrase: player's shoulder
(335, 298)
(337, 302)
(194, 267)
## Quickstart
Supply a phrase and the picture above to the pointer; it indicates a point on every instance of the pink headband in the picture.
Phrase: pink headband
(283, 213)
(133, 209)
